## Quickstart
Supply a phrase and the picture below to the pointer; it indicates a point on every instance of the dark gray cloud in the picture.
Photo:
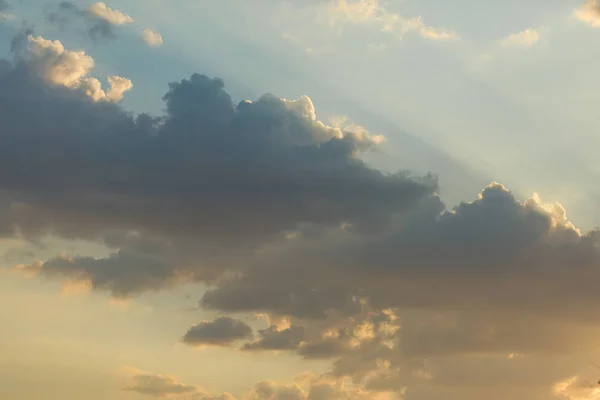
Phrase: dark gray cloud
(210, 167)
(222, 331)
(489, 278)
(479, 252)
(207, 177)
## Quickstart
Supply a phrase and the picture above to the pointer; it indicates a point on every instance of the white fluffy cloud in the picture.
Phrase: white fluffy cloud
(112, 16)
(152, 38)
(56, 65)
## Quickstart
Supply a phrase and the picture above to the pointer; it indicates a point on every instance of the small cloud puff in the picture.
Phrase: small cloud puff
(152, 38)
(5, 9)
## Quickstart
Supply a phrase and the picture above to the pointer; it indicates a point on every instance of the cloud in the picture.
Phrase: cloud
(99, 19)
(573, 389)
(304, 387)
(276, 213)
(158, 386)
(489, 278)
(527, 37)
(372, 12)
(118, 87)
(307, 388)
(152, 38)
(589, 12)
(275, 338)
(112, 16)
(211, 174)
(54, 64)
(5, 10)
(417, 25)
(220, 332)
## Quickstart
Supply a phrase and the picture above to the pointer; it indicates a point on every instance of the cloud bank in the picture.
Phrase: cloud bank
(5, 9)
(276, 214)
(112, 16)
(50, 61)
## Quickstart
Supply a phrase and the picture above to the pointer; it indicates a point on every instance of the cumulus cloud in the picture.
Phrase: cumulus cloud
(159, 386)
(573, 389)
(112, 16)
(589, 12)
(223, 331)
(152, 38)
(210, 174)
(53, 63)
(527, 37)
(277, 214)
(275, 338)
(99, 19)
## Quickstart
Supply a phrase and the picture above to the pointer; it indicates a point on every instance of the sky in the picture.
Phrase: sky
(299, 200)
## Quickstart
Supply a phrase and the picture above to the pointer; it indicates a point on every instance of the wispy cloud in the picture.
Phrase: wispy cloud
(5, 9)
(112, 16)
(527, 37)
(373, 12)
